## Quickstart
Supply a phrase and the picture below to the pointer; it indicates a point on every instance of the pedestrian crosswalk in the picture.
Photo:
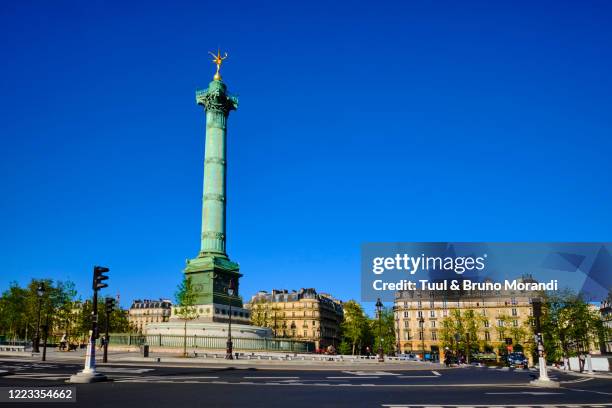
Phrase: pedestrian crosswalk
(500, 406)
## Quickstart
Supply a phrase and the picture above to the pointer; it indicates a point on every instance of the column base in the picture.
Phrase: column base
(86, 377)
(544, 383)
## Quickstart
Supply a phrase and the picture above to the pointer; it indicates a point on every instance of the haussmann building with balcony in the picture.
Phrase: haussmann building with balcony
(301, 315)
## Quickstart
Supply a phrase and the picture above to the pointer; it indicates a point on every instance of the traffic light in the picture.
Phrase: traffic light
(99, 277)
(109, 303)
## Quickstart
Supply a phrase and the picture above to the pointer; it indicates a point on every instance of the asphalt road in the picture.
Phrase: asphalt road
(142, 385)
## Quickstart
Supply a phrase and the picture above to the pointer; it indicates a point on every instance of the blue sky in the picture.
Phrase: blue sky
(358, 122)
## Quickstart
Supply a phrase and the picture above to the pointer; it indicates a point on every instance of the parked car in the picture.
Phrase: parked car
(517, 359)
(408, 357)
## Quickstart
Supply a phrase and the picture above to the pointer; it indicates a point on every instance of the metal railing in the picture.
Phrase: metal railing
(206, 342)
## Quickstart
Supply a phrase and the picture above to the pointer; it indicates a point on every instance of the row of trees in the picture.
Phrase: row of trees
(59, 307)
(360, 332)
(569, 325)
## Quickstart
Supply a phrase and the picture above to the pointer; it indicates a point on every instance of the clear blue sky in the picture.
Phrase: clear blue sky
(379, 121)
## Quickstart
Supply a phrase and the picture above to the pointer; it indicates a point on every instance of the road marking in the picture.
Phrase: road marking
(268, 378)
(576, 381)
(436, 373)
(367, 373)
(502, 406)
(351, 378)
(419, 376)
(123, 370)
(596, 392)
(525, 393)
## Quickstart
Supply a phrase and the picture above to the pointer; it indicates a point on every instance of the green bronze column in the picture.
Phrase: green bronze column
(217, 104)
(211, 271)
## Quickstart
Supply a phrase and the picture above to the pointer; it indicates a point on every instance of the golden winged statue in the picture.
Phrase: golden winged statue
(218, 60)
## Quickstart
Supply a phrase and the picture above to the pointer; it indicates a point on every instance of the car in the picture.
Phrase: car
(408, 357)
(517, 359)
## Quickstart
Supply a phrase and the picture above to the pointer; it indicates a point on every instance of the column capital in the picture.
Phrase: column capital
(216, 99)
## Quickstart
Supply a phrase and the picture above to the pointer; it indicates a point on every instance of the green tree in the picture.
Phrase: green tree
(569, 325)
(186, 309)
(259, 313)
(20, 307)
(384, 329)
(460, 331)
(355, 326)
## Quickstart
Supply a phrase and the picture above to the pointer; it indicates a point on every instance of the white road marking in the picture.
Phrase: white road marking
(351, 378)
(596, 392)
(436, 373)
(525, 393)
(268, 378)
(577, 381)
(123, 370)
(416, 376)
(367, 373)
(508, 406)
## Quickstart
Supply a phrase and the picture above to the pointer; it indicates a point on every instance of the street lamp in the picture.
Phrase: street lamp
(40, 291)
(422, 324)
(379, 306)
(230, 292)
(397, 334)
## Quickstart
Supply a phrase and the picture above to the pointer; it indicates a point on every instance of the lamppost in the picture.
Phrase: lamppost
(543, 380)
(45, 328)
(379, 306)
(230, 292)
(397, 334)
(40, 291)
(422, 327)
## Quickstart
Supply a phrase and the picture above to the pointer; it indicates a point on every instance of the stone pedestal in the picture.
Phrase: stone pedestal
(211, 329)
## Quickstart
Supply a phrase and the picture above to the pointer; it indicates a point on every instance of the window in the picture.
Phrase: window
(432, 313)
(445, 313)
(420, 314)
(486, 323)
(500, 323)
(421, 324)
(514, 312)
(487, 336)
(484, 312)
(420, 304)
(515, 323)
(431, 304)
(407, 335)
(433, 324)
(305, 333)
(406, 323)
(434, 335)
(513, 301)
(421, 335)
(406, 314)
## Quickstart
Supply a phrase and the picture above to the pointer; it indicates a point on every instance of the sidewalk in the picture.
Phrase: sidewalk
(210, 360)
(595, 374)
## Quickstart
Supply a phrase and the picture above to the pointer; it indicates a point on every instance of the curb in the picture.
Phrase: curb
(587, 375)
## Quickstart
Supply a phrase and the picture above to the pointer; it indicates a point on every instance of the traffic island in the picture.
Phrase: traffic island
(86, 377)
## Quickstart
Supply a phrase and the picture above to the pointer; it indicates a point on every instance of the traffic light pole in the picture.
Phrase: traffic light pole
(109, 304)
(89, 374)
(543, 380)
